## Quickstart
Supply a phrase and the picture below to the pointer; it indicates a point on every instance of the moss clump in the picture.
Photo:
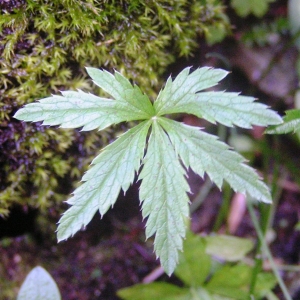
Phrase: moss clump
(45, 46)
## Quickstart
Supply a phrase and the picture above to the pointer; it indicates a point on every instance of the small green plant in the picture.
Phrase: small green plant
(163, 157)
(39, 285)
(265, 33)
(291, 123)
(245, 7)
(206, 278)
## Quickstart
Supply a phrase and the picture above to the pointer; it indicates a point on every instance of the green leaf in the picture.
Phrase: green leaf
(194, 263)
(291, 122)
(230, 109)
(181, 95)
(163, 193)
(178, 92)
(39, 285)
(155, 290)
(228, 247)
(121, 89)
(114, 169)
(202, 152)
(231, 281)
(265, 282)
(245, 7)
(75, 109)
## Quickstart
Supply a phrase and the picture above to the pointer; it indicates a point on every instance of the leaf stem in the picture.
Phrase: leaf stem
(267, 251)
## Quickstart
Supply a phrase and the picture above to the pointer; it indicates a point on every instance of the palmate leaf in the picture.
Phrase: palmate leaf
(291, 123)
(172, 148)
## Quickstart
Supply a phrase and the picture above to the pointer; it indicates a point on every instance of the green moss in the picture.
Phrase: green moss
(45, 46)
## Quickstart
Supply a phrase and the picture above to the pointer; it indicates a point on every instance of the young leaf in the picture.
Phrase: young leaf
(176, 93)
(163, 190)
(202, 152)
(246, 7)
(227, 247)
(226, 108)
(155, 290)
(76, 109)
(39, 285)
(291, 122)
(164, 199)
(194, 263)
(231, 281)
(230, 109)
(113, 169)
(121, 89)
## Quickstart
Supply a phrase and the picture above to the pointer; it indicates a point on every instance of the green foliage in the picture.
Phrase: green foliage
(227, 247)
(203, 277)
(171, 149)
(44, 46)
(265, 33)
(39, 285)
(245, 7)
(291, 122)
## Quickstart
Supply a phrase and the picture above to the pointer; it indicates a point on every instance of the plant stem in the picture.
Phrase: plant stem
(223, 211)
(266, 211)
(267, 251)
(204, 191)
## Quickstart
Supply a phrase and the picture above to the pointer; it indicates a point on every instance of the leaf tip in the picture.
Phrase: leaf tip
(16, 115)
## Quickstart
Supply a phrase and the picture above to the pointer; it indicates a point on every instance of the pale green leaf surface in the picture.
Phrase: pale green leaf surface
(113, 169)
(228, 109)
(75, 109)
(121, 89)
(203, 153)
(178, 92)
(291, 123)
(163, 193)
(39, 285)
(155, 290)
(229, 248)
